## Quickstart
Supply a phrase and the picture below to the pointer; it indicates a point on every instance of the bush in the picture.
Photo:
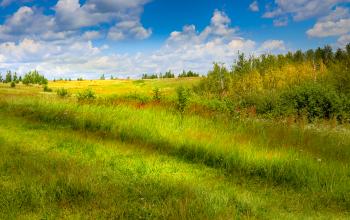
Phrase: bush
(47, 89)
(313, 99)
(13, 84)
(182, 99)
(62, 92)
(156, 94)
(87, 94)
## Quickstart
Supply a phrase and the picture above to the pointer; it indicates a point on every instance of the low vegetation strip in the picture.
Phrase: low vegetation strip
(50, 171)
(54, 173)
(195, 140)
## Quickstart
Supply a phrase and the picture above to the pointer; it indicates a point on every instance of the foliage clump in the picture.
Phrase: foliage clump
(156, 94)
(188, 74)
(152, 76)
(47, 89)
(10, 77)
(314, 84)
(86, 95)
(167, 75)
(62, 92)
(33, 77)
(182, 99)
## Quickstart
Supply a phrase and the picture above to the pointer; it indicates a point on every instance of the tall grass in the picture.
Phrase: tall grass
(55, 173)
(206, 142)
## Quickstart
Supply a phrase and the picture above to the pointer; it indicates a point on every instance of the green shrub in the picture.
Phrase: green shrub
(156, 94)
(267, 104)
(182, 99)
(47, 89)
(13, 84)
(62, 92)
(87, 94)
(313, 99)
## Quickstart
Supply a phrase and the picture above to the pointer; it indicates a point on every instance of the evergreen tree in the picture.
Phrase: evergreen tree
(15, 78)
(33, 77)
(8, 78)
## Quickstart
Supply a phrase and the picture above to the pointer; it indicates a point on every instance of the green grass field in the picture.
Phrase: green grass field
(124, 156)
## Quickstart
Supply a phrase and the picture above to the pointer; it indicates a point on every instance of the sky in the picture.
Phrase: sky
(87, 38)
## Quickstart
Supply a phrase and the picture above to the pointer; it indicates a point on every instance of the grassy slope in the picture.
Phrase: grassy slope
(67, 160)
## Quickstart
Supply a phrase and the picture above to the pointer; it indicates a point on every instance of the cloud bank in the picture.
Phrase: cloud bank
(61, 52)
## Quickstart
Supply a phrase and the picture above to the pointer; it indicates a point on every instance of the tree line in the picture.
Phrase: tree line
(170, 74)
(32, 77)
(312, 83)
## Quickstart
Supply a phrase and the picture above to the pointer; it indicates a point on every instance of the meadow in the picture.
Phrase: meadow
(267, 139)
(126, 154)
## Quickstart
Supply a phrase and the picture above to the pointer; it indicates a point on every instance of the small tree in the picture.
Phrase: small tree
(8, 78)
(15, 78)
(1, 77)
(102, 77)
(156, 94)
(182, 99)
(168, 74)
(13, 84)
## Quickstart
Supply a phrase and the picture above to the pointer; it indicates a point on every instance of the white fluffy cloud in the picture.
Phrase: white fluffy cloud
(333, 17)
(91, 35)
(300, 10)
(280, 22)
(24, 23)
(71, 16)
(337, 23)
(185, 49)
(330, 28)
(5, 3)
(128, 29)
(254, 6)
(273, 45)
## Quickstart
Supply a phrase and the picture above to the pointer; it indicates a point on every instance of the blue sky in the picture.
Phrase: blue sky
(72, 38)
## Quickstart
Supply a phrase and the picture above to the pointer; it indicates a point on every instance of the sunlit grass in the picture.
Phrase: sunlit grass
(63, 158)
(121, 87)
(53, 172)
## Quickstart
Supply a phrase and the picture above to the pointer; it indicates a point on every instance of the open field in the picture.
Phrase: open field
(137, 159)
(119, 87)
